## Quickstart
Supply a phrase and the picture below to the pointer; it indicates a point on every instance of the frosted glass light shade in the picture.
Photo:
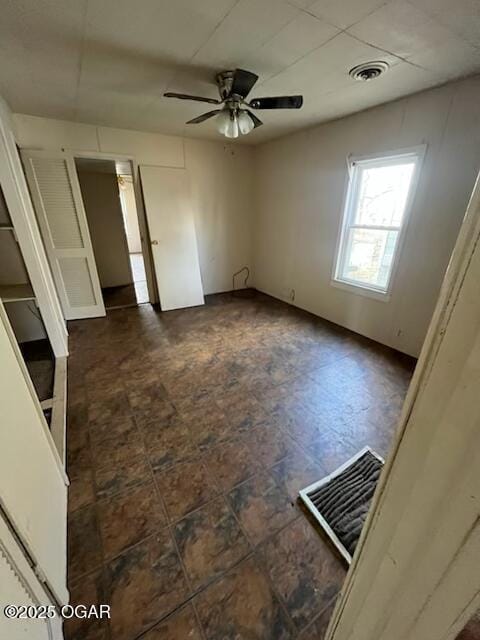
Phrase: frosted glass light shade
(245, 123)
(227, 124)
(223, 120)
(232, 128)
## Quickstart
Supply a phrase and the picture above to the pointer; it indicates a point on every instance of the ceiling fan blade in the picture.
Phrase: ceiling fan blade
(184, 96)
(256, 121)
(282, 102)
(204, 116)
(243, 82)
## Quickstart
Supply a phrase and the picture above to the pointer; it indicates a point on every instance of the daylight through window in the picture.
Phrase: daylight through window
(378, 197)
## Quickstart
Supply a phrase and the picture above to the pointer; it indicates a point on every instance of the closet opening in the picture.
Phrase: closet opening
(18, 297)
(108, 194)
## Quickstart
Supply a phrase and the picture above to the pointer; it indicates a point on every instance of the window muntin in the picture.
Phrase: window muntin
(378, 196)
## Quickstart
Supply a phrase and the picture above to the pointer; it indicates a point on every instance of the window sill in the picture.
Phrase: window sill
(360, 290)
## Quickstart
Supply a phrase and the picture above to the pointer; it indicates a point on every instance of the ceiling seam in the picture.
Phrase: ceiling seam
(190, 60)
(341, 30)
(214, 30)
(80, 66)
(390, 53)
(301, 58)
(332, 24)
(448, 27)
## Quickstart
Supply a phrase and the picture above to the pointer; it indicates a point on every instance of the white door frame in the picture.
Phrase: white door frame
(415, 571)
(142, 218)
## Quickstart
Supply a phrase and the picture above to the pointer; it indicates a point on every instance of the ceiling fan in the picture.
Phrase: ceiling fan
(234, 118)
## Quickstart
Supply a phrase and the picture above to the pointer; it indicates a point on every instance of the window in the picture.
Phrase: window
(379, 194)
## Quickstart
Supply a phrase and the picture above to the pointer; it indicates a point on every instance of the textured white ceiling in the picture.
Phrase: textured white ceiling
(108, 62)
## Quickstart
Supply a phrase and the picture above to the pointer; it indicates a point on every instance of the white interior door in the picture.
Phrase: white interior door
(53, 182)
(20, 586)
(168, 205)
(33, 491)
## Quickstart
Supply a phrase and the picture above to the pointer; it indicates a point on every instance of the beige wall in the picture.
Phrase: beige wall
(104, 214)
(221, 178)
(296, 185)
(300, 185)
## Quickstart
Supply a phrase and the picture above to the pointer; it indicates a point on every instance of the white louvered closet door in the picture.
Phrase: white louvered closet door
(56, 195)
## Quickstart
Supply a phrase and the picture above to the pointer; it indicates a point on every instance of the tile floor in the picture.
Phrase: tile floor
(189, 435)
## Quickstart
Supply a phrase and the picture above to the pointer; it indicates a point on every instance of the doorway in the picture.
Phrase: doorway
(107, 188)
(134, 240)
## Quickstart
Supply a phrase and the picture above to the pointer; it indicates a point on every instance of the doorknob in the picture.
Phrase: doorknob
(154, 242)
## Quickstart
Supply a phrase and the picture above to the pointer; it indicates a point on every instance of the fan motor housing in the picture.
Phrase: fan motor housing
(224, 82)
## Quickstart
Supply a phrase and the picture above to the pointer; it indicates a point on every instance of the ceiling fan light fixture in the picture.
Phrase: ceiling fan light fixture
(234, 87)
(245, 123)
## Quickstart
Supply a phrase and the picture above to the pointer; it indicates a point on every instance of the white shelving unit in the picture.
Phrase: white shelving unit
(16, 292)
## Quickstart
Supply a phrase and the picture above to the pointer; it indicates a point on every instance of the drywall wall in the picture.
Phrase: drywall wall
(300, 182)
(105, 222)
(221, 180)
(127, 198)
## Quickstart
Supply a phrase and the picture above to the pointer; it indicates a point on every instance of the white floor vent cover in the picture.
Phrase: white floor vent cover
(340, 501)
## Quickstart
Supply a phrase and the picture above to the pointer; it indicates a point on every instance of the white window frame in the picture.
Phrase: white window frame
(416, 154)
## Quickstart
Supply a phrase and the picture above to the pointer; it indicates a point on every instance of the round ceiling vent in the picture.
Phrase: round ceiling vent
(368, 70)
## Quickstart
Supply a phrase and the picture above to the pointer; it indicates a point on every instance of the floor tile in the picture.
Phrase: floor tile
(79, 454)
(107, 409)
(305, 571)
(128, 517)
(262, 506)
(169, 444)
(318, 628)
(84, 546)
(302, 425)
(117, 449)
(88, 590)
(146, 583)
(181, 625)
(296, 472)
(80, 491)
(115, 429)
(77, 417)
(208, 426)
(269, 443)
(243, 397)
(330, 451)
(242, 411)
(210, 541)
(231, 463)
(471, 631)
(112, 479)
(184, 487)
(242, 605)
(146, 394)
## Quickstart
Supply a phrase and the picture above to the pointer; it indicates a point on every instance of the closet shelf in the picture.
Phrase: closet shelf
(6, 227)
(16, 292)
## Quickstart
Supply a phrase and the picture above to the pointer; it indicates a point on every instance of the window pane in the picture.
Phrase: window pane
(383, 194)
(369, 256)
